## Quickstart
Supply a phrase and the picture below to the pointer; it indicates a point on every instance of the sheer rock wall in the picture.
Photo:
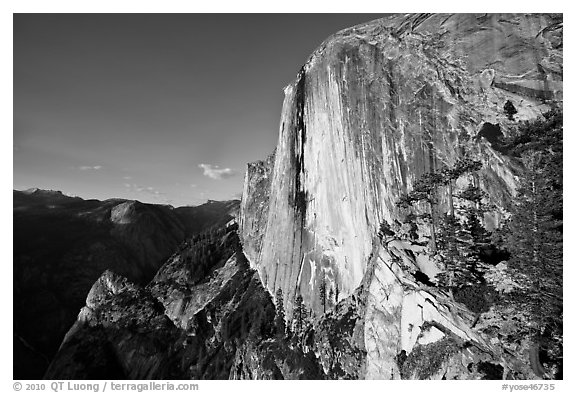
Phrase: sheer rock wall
(375, 107)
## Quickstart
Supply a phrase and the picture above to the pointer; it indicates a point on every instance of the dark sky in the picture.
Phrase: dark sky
(161, 108)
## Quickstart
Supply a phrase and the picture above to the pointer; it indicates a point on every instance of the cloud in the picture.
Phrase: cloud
(90, 168)
(217, 173)
(147, 190)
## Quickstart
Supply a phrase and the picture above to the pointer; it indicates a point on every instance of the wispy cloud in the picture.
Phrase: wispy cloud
(147, 190)
(217, 173)
(90, 168)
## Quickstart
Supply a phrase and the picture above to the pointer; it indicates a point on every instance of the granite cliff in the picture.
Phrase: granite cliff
(375, 107)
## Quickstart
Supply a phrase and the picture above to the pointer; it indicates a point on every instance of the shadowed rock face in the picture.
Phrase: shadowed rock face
(375, 107)
(177, 327)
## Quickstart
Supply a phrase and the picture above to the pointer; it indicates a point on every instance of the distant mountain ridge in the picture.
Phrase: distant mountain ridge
(62, 244)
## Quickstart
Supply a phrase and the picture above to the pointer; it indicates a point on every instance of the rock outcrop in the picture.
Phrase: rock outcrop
(393, 327)
(188, 323)
(375, 107)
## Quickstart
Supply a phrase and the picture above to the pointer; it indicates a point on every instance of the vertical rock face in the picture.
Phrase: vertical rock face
(374, 108)
(257, 185)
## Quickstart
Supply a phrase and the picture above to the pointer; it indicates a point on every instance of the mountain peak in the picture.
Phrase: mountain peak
(40, 191)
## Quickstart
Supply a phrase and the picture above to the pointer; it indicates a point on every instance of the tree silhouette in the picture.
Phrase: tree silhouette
(322, 293)
(426, 188)
(385, 230)
(279, 321)
(458, 245)
(299, 315)
(510, 110)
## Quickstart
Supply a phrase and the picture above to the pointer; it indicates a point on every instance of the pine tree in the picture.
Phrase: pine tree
(307, 322)
(456, 239)
(299, 315)
(449, 250)
(385, 230)
(425, 189)
(534, 239)
(534, 232)
(461, 243)
(533, 235)
(462, 166)
(456, 246)
(510, 110)
(322, 293)
(279, 321)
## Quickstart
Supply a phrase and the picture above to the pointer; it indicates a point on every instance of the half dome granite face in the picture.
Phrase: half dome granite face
(375, 107)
